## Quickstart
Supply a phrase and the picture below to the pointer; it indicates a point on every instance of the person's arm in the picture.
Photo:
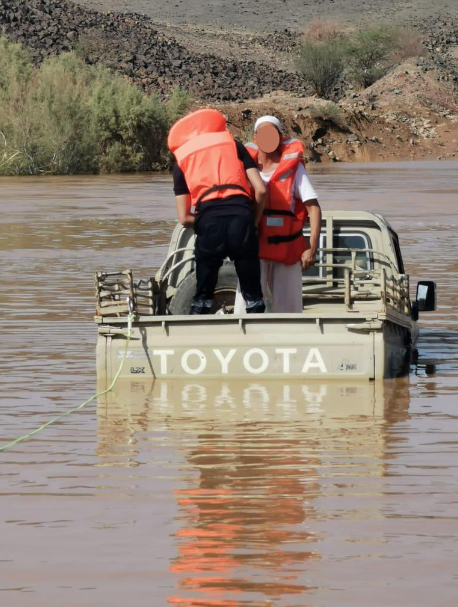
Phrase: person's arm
(303, 190)
(182, 198)
(260, 193)
(251, 169)
(314, 213)
(183, 203)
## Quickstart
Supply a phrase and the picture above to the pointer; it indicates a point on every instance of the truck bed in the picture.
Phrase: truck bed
(356, 320)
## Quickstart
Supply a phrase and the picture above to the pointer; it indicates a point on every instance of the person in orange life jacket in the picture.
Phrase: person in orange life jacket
(213, 177)
(283, 249)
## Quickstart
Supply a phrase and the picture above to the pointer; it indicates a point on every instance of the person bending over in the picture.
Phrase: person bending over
(213, 179)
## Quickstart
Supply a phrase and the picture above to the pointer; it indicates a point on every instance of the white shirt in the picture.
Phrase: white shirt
(302, 187)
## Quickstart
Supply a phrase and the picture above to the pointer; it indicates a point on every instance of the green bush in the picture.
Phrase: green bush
(321, 64)
(373, 52)
(367, 54)
(178, 104)
(15, 68)
(363, 56)
(68, 117)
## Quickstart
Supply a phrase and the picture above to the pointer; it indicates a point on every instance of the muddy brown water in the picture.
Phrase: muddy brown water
(221, 494)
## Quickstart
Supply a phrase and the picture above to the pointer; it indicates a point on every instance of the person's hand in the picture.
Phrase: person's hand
(308, 259)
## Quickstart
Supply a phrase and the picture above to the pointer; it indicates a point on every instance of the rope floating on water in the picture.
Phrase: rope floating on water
(26, 437)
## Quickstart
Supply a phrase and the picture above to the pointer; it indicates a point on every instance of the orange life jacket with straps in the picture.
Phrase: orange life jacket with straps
(207, 155)
(280, 231)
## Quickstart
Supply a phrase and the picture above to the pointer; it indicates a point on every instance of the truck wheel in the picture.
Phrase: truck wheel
(224, 292)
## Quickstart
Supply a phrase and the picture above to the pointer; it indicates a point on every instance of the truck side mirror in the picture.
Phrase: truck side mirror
(426, 296)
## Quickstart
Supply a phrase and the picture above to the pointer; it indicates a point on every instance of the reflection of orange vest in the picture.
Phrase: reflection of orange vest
(207, 155)
(280, 230)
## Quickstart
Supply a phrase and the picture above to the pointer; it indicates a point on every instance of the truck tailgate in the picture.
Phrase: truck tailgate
(269, 346)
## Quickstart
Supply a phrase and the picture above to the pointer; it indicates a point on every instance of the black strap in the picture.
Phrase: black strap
(278, 212)
(218, 188)
(279, 239)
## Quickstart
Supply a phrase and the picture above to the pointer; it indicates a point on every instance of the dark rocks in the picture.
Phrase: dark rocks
(129, 43)
(441, 36)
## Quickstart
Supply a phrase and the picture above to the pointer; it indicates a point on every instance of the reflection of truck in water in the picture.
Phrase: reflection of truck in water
(253, 469)
(357, 320)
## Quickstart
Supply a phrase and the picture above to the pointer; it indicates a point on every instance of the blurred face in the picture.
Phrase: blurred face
(267, 138)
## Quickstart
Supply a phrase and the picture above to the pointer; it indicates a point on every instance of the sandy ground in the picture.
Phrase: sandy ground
(260, 15)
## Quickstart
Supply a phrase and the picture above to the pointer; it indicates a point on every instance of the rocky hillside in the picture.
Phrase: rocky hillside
(131, 45)
(411, 113)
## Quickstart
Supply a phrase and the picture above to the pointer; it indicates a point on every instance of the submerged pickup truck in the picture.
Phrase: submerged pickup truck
(358, 319)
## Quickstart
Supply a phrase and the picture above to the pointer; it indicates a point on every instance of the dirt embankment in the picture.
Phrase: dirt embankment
(410, 113)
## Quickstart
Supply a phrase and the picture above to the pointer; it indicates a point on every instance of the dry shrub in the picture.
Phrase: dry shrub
(320, 30)
(248, 133)
(320, 55)
(328, 112)
(406, 43)
(321, 64)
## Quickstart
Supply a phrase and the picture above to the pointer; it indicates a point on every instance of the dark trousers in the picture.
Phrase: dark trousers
(217, 238)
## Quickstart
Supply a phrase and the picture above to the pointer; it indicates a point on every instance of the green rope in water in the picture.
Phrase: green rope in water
(86, 402)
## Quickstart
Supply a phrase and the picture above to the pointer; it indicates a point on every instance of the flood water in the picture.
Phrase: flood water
(219, 494)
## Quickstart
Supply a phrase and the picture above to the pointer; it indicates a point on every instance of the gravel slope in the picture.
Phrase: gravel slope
(278, 14)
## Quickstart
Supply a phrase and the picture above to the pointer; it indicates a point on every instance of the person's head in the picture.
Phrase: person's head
(267, 134)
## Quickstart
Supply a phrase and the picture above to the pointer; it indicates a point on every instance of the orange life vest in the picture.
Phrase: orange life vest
(207, 155)
(280, 231)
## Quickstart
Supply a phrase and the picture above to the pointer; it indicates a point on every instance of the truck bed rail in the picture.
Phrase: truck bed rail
(346, 282)
(383, 283)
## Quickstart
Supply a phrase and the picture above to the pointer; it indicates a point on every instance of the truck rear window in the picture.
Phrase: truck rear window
(343, 240)
(352, 241)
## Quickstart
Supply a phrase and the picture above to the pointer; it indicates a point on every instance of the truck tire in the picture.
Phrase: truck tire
(224, 292)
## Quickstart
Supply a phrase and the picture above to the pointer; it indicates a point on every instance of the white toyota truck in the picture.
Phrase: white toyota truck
(358, 319)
